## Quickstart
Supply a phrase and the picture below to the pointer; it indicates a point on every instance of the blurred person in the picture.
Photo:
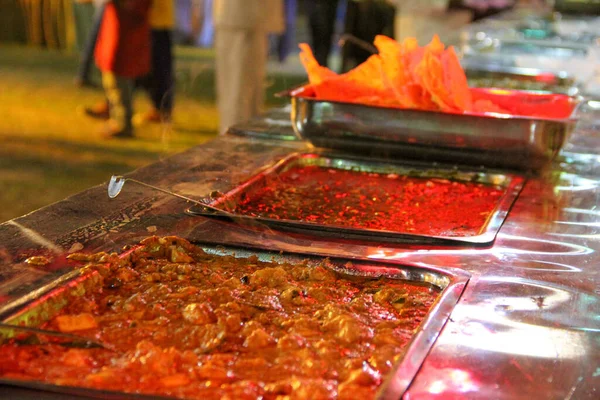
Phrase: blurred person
(321, 19)
(207, 34)
(241, 44)
(196, 19)
(160, 82)
(364, 20)
(482, 8)
(202, 22)
(87, 56)
(283, 43)
(123, 54)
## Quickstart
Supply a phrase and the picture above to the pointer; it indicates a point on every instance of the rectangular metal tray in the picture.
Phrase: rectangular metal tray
(584, 8)
(542, 48)
(451, 284)
(481, 74)
(511, 183)
(491, 140)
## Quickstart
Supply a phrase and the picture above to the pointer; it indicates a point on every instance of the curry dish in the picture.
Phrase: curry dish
(181, 322)
(367, 200)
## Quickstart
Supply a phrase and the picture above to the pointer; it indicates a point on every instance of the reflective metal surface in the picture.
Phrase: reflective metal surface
(581, 7)
(510, 184)
(526, 327)
(486, 43)
(538, 39)
(493, 141)
(450, 285)
(481, 74)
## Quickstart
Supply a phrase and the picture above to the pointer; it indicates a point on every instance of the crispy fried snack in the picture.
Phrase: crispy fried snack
(316, 73)
(363, 84)
(402, 75)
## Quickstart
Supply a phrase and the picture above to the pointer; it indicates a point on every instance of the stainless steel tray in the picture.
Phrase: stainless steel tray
(503, 141)
(510, 183)
(450, 283)
(519, 78)
(511, 41)
(585, 8)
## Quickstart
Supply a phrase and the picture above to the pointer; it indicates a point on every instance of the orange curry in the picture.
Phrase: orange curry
(181, 322)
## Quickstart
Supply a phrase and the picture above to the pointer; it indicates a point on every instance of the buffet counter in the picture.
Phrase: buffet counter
(519, 312)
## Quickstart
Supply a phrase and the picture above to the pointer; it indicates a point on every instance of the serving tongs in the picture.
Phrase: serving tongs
(116, 183)
(26, 335)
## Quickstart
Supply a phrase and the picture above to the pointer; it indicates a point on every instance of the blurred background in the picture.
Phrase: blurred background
(49, 149)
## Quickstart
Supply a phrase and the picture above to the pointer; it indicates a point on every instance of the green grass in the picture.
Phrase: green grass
(50, 150)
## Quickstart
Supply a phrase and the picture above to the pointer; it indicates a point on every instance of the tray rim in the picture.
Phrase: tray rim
(474, 65)
(562, 81)
(396, 382)
(485, 237)
(295, 94)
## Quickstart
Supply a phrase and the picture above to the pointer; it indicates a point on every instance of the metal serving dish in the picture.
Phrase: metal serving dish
(537, 37)
(491, 140)
(537, 47)
(580, 7)
(510, 184)
(519, 78)
(450, 284)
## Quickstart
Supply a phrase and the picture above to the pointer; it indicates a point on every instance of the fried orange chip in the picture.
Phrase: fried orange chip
(340, 89)
(402, 75)
(455, 80)
(435, 46)
(362, 82)
(393, 71)
(429, 74)
(316, 73)
(368, 73)
(412, 55)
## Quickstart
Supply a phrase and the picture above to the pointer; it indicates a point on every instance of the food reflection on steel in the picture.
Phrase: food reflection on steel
(186, 323)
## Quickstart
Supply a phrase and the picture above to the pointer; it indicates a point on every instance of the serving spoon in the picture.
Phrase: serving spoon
(116, 183)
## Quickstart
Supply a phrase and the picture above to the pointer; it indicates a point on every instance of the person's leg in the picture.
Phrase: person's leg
(315, 22)
(119, 92)
(87, 57)
(226, 70)
(329, 14)
(162, 72)
(208, 28)
(256, 62)
(127, 86)
(236, 65)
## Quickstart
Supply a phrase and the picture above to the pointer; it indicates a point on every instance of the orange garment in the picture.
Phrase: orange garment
(123, 45)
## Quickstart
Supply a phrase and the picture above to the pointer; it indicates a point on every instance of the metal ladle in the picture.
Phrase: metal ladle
(117, 182)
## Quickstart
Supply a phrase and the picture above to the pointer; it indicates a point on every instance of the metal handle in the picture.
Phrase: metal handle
(348, 38)
(117, 182)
